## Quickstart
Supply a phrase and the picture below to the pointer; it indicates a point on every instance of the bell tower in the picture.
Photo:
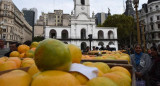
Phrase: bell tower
(81, 6)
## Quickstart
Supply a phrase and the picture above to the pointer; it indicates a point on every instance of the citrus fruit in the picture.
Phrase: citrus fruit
(34, 44)
(52, 54)
(14, 54)
(15, 78)
(23, 48)
(54, 78)
(101, 81)
(76, 53)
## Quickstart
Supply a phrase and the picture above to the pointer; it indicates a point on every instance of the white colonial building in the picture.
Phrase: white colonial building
(81, 26)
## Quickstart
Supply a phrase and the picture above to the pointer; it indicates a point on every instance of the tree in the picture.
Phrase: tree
(125, 25)
(38, 38)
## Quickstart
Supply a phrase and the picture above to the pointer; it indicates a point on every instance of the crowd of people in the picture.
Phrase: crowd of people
(12, 47)
(147, 65)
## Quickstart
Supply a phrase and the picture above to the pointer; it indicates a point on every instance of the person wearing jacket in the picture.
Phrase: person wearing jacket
(141, 63)
(155, 69)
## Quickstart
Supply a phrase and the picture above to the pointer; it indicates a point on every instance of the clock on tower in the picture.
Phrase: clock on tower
(81, 6)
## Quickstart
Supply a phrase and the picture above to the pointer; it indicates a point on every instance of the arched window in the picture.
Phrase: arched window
(110, 43)
(83, 2)
(83, 34)
(83, 46)
(110, 35)
(157, 7)
(64, 34)
(53, 34)
(100, 44)
(100, 34)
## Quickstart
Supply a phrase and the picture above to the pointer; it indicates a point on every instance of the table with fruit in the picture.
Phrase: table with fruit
(53, 63)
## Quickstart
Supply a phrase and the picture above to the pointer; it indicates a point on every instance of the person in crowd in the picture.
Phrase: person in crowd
(131, 50)
(87, 49)
(94, 48)
(2, 49)
(149, 52)
(27, 43)
(102, 48)
(97, 48)
(128, 50)
(13, 47)
(141, 64)
(108, 48)
(155, 69)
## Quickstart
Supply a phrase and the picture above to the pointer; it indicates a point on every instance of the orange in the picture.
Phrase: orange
(125, 77)
(82, 78)
(27, 63)
(33, 49)
(23, 48)
(120, 69)
(116, 78)
(22, 55)
(16, 60)
(34, 44)
(29, 54)
(33, 70)
(14, 54)
(101, 81)
(15, 78)
(52, 54)
(55, 78)
(76, 53)
(8, 65)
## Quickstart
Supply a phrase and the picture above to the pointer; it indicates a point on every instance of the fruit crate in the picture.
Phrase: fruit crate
(24, 69)
(112, 63)
(129, 68)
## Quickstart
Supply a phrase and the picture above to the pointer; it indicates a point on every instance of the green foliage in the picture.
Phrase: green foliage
(99, 25)
(38, 38)
(125, 25)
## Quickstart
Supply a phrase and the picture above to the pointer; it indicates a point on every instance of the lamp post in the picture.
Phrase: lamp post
(143, 36)
(136, 2)
(90, 39)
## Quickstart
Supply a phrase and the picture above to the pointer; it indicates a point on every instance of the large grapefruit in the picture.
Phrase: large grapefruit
(52, 54)
(101, 81)
(54, 78)
(15, 78)
(76, 53)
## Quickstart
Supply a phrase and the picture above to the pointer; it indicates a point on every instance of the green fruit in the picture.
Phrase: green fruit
(52, 54)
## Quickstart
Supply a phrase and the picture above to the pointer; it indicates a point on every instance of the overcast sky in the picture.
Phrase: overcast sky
(116, 6)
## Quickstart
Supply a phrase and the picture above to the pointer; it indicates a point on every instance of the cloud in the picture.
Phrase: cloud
(116, 6)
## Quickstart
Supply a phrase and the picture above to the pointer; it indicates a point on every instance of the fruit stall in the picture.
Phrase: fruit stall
(53, 63)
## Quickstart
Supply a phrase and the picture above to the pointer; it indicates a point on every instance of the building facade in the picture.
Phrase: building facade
(149, 17)
(29, 16)
(81, 26)
(100, 18)
(36, 14)
(58, 18)
(15, 26)
(129, 11)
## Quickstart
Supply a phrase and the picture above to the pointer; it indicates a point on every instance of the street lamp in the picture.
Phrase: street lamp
(90, 39)
(136, 2)
(143, 35)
